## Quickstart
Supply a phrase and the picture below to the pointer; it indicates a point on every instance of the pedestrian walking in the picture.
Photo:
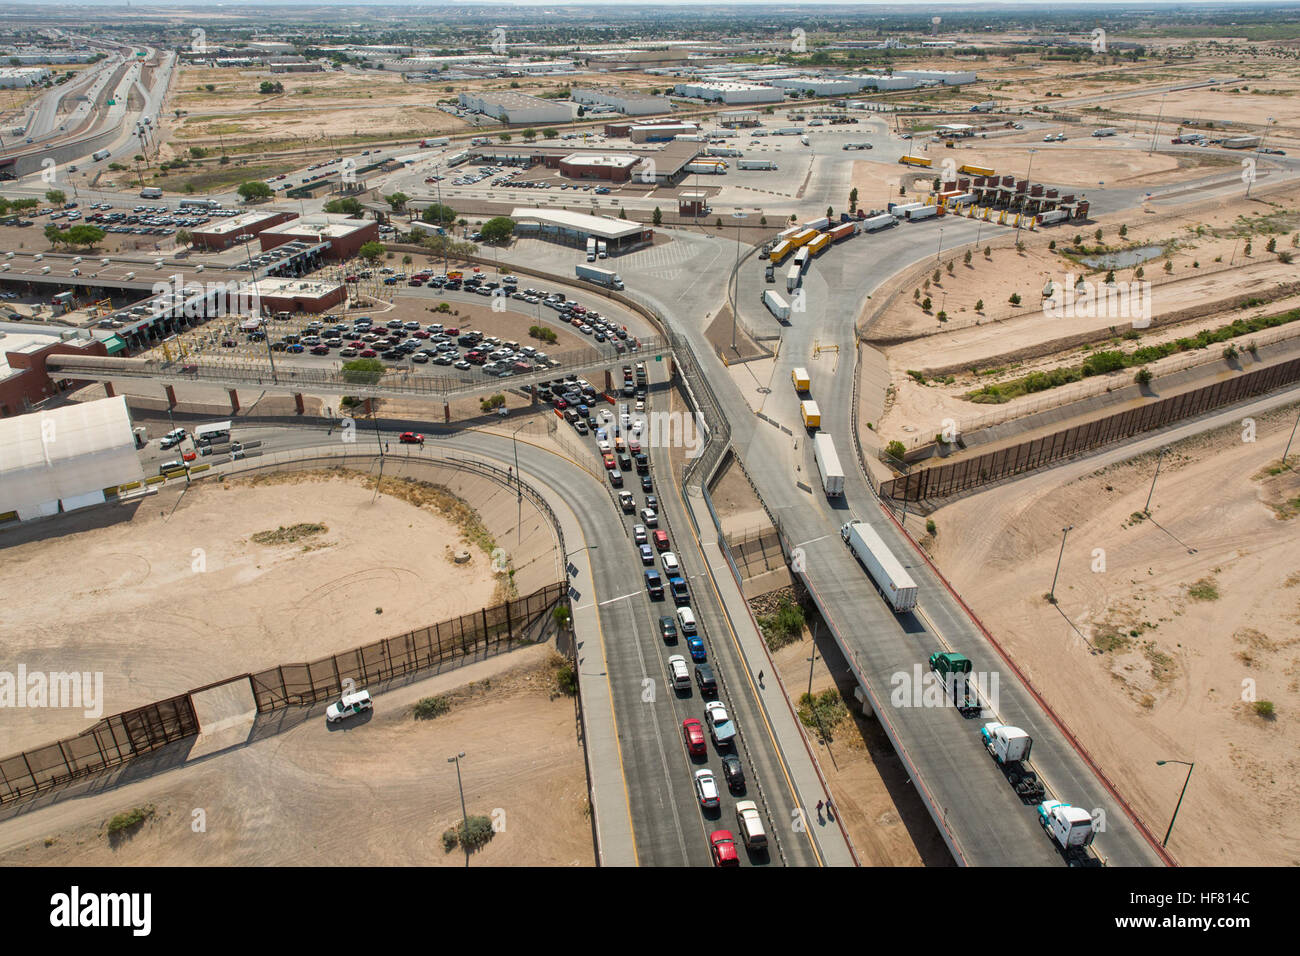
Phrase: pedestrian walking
(830, 808)
(760, 677)
(819, 809)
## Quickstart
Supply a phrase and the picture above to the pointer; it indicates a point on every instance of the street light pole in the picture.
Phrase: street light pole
(1051, 597)
(737, 215)
(461, 787)
(1190, 767)
(1146, 509)
(812, 660)
(1287, 450)
(1020, 217)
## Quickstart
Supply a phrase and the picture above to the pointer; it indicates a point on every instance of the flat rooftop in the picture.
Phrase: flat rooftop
(277, 286)
(604, 227)
(238, 224)
(325, 225)
(614, 160)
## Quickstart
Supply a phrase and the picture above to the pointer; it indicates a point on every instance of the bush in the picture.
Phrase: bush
(783, 626)
(925, 304)
(822, 712)
(895, 450)
(428, 708)
(1099, 363)
(1015, 298)
(492, 402)
(542, 333)
(566, 679)
(930, 527)
(125, 823)
(1143, 376)
(475, 832)
(1265, 709)
(365, 371)
(979, 305)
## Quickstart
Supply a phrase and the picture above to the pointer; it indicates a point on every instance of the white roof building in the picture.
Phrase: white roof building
(64, 458)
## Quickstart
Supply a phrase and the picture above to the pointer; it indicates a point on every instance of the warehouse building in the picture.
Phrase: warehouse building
(24, 380)
(294, 295)
(733, 119)
(343, 234)
(627, 102)
(729, 93)
(820, 85)
(661, 132)
(63, 459)
(224, 233)
(575, 228)
(20, 77)
(942, 77)
(516, 108)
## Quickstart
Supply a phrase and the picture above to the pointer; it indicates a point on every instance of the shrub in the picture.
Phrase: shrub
(966, 258)
(820, 713)
(566, 679)
(895, 450)
(542, 333)
(783, 626)
(979, 305)
(930, 527)
(1271, 246)
(942, 316)
(475, 832)
(1015, 298)
(925, 304)
(988, 252)
(1099, 363)
(1285, 258)
(1143, 376)
(1265, 709)
(428, 708)
(125, 823)
(492, 402)
(1204, 590)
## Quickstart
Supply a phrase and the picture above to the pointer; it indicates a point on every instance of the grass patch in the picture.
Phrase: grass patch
(125, 825)
(1110, 639)
(783, 626)
(1265, 709)
(820, 713)
(427, 708)
(1204, 590)
(472, 834)
(564, 675)
(290, 535)
(1102, 362)
(1163, 667)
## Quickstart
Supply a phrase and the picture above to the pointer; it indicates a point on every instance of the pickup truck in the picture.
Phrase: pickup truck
(721, 728)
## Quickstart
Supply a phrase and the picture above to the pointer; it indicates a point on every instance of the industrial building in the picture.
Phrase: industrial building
(942, 77)
(729, 93)
(627, 102)
(575, 228)
(294, 295)
(820, 85)
(19, 77)
(62, 459)
(343, 234)
(660, 132)
(739, 118)
(224, 233)
(516, 108)
(24, 380)
(613, 167)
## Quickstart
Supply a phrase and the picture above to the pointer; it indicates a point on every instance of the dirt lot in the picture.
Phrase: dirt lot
(1157, 649)
(182, 595)
(293, 799)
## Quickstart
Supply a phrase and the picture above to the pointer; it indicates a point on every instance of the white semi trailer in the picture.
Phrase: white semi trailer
(828, 465)
(886, 570)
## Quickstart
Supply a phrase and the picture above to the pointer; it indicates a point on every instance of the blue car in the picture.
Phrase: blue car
(296, 348)
(696, 647)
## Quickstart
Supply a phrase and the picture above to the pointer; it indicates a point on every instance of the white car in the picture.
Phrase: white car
(669, 562)
(639, 534)
(347, 705)
(706, 788)
(649, 518)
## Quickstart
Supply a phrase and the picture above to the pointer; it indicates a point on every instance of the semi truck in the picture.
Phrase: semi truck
(1009, 747)
(722, 151)
(151, 192)
(915, 161)
(100, 154)
(1241, 142)
(925, 212)
(1070, 828)
(591, 250)
(1105, 131)
(971, 170)
(431, 143)
(802, 237)
(799, 378)
(984, 107)
(857, 145)
(811, 414)
(828, 465)
(602, 251)
(779, 251)
(820, 242)
(1051, 216)
(954, 670)
(875, 223)
(843, 231)
(788, 131)
(817, 224)
(887, 571)
(755, 164)
(707, 166)
(606, 277)
(899, 210)
(776, 305)
(793, 277)
(801, 258)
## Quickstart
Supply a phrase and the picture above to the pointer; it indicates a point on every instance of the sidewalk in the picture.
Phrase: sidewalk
(832, 841)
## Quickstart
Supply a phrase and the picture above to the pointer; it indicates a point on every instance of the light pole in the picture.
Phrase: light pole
(736, 215)
(1051, 596)
(1287, 450)
(1146, 509)
(1190, 767)
(812, 660)
(461, 787)
(519, 489)
(1155, 131)
(939, 251)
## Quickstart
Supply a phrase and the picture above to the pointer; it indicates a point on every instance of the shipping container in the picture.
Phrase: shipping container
(822, 240)
(776, 305)
(828, 465)
(803, 237)
(780, 251)
(799, 378)
(873, 223)
(793, 277)
(801, 258)
(811, 414)
(842, 232)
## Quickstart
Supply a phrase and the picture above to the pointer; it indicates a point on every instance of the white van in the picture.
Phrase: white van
(686, 620)
(678, 672)
(750, 825)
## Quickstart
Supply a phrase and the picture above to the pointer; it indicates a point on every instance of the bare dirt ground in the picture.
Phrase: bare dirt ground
(293, 799)
(1158, 651)
(181, 594)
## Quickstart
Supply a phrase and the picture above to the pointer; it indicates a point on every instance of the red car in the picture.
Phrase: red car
(693, 732)
(411, 438)
(560, 404)
(420, 334)
(723, 846)
(661, 540)
(608, 458)
(368, 353)
(320, 350)
(451, 331)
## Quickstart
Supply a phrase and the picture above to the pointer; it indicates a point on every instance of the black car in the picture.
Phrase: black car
(708, 684)
(668, 629)
(393, 354)
(734, 773)
(646, 485)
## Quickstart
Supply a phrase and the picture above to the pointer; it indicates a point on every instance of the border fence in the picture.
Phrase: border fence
(111, 742)
(992, 466)
(486, 630)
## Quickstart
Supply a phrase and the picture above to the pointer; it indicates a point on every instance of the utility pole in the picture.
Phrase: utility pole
(1146, 509)
(1051, 597)
(1190, 767)
(737, 215)
(461, 787)
(1020, 218)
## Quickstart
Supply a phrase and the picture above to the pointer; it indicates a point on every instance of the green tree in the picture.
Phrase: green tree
(1123, 231)
(966, 258)
(85, 236)
(853, 199)
(550, 133)
(371, 251)
(268, 87)
(1015, 298)
(895, 450)
(925, 304)
(504, 137)
(622, 214)
(397, 200)
(979, 305)
(436, 212)
(58, 197)
(343, 207)
(254, 189)
(54, 234)
(529, 134)
(658, 217)
(498, 229)
(1270, 246)
(1143, 376)
(184, 237)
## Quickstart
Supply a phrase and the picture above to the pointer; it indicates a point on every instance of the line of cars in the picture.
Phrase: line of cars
(619, 436)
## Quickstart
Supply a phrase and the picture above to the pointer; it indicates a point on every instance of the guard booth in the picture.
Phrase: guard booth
(692, 205)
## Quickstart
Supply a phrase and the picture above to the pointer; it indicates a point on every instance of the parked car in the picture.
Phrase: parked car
(349, 704)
